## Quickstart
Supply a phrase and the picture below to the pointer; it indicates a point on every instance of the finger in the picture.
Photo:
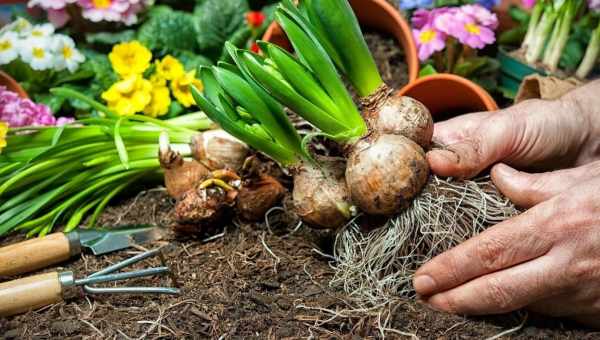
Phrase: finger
(454, 130)
(502, 291)
(526, 190)
(503, 245)
(474, 147)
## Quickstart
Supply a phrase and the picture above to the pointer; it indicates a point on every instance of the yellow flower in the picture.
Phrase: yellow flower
(169, 68)
(129, 96)
(130, 58)
(161, 100)
(181, 88)
(3, 131)
(157, 80)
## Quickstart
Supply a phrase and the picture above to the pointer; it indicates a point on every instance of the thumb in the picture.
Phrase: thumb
(526, 190)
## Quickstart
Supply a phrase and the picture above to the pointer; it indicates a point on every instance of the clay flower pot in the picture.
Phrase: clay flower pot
(375, 14)
(12, 85)
(448, 95)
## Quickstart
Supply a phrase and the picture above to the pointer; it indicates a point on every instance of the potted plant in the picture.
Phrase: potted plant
(376, 14)
(562, 39)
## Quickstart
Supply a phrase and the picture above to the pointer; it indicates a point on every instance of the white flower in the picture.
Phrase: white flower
(20, 26)
(9, 47)
(37, 53)
(42, 31)
(65, 53)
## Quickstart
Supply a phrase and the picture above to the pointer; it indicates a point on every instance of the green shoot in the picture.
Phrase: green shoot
(335, 20)
(591, 55)
(59, 175)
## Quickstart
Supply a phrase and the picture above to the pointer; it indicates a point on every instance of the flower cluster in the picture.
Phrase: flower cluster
(16, 111)
(38, 46)
(134, 94)
(124, 11)
(407, 5)
(471, 25)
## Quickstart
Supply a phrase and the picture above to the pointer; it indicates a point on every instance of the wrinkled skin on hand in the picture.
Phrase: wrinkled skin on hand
(548, 258)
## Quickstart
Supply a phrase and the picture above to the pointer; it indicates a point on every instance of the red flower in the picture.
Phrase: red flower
(255, 18)
(254, 48)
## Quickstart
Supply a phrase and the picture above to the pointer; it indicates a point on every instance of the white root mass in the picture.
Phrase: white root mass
(376, 266)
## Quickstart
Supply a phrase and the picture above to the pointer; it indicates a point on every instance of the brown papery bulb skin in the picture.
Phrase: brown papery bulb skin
(386, 113)
(321, 198)
(385, 172)
(198, 211)
(219, 150)
(257, 196)
(180, 175)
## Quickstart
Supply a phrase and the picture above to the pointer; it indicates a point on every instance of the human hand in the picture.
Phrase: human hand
(546, 259)
(534, 134)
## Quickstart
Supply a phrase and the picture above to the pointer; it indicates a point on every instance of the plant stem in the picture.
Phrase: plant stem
(541, 35)
(533, 24)
(591, 55)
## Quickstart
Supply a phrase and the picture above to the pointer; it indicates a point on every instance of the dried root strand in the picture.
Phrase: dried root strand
(376, 266)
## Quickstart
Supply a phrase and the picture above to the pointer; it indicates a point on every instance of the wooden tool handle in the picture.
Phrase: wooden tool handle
(36, 253)
(29, 293)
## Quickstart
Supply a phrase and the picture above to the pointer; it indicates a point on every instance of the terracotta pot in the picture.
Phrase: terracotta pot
(375, 14)
(449, 95)
(12, 85)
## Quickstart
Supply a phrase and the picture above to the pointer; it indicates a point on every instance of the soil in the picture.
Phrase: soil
(234, 287)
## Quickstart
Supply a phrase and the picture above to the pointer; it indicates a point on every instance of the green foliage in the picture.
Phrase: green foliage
(168, 31)
(110, 38)
(482, 70)
(218, 21)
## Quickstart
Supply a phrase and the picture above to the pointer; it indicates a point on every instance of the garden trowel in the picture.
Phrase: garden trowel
(38, 253)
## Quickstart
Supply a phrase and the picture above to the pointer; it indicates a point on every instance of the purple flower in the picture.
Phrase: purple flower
(528, 4)
(18, 112)
(428, 40)
(423, 17)
(594, 5)
(489, 4)
(413, 4)
(482, 15)
(465, 28)
(112, 10)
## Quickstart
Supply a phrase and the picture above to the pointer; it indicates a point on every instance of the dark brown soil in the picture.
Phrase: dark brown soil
(233, 287)
(389, 57)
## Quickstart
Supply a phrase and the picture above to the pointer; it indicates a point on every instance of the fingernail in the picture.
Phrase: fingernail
(424, 284)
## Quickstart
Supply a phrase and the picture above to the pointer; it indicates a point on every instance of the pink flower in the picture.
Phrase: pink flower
(18, 112)
(528, 4)
(58, 17)
(429, 40)
(465, 28)
(594, 5)
(49, 4)
(423, 17)
(482, 15)
(111, 10)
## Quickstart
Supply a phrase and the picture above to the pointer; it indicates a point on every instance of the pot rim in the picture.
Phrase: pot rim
(488, 101)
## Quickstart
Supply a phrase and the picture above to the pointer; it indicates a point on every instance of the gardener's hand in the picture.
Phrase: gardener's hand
(546, 259)
(535, 135)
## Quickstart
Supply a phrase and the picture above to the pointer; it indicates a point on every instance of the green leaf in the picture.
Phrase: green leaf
(288, 96)
(120, 145)
(312, 54)
(277, 152)
(337, 21)
(277, 125)
(217, 21)
(168, 31)
(427, 70)
(191, 60)
(110, 38)
(302, 80)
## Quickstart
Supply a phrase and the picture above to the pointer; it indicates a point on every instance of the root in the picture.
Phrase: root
(376, 266)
